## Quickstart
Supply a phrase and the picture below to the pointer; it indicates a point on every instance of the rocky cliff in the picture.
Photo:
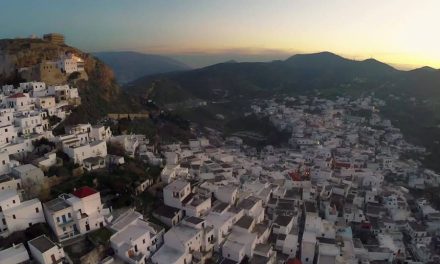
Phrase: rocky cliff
(99, 92)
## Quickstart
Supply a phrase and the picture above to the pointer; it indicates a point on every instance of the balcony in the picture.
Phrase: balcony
(66, 223)
(135, 256)
(70, 235)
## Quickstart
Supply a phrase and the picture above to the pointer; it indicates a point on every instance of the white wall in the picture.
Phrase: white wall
(20, 217)
(4, 162)
(45, 258)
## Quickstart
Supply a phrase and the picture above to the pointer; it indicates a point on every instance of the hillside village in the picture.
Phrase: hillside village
(343, 190)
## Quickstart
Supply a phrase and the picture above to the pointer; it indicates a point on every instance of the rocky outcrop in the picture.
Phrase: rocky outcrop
(98, 89)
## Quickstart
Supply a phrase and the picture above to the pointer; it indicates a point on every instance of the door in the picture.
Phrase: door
(52, 257)
(64, 218)
(87, 227)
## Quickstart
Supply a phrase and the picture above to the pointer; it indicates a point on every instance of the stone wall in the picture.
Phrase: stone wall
(131, 115)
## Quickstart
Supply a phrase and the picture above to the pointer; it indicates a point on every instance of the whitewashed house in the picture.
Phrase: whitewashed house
(78, 213)
(44, 251)
(4, 162)
(17, 215)
(221, 219)
(14, 254)
(79, 152)
(136, 239)
(308, 247)
(189, 240)
(175, 193)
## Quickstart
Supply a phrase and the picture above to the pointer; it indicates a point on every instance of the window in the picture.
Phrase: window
(69, 214)
(4, 221)
(37, 210)
(143, 241)
(13, 201)
(13, 216)
(58, 219)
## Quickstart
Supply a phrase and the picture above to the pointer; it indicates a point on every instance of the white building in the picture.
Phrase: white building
(130, 143)
(30, 123)
(239, 244)
(32, 177)
(24, 215)
(9, 182)
(46, 102)
(308, 247)
(136, 239)
(188, 240)
(16, 215)
(70, 63)
(221, 219)
(253, 207)
(175, 192)
(44, 251)
(100, 133)
(19, 101)
(79, 152)
(4, 162)
(78, 213)
(8, 134)
(15, 254)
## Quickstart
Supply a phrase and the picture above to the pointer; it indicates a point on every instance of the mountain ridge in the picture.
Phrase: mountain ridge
(301, 71)
(412, 97)
(130, 65)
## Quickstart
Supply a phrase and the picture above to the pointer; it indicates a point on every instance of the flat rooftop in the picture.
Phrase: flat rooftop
(11, 255)
(42, 243)
(7, 194)
(245, 222)
(283, 220)
(248, 203)
(219, 207)
(166, 254)
(57, 204)
(194, 220)
(166, 211)
(177, 185)
(125, 219)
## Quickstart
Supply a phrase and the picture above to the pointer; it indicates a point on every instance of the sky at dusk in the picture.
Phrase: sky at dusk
(402, 32)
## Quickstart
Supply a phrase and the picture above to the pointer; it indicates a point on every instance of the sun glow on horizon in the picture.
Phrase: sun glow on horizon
(399, 32)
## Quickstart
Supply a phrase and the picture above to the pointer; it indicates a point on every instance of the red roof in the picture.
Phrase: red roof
(294, 261)
(17, 95)
(84, 192)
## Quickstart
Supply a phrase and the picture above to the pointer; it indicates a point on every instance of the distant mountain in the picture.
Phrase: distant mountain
(305, 72)
(412, 97)
(129, 66)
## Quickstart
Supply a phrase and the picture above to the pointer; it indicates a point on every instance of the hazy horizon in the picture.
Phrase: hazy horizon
(397, 32)
(203, 59)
